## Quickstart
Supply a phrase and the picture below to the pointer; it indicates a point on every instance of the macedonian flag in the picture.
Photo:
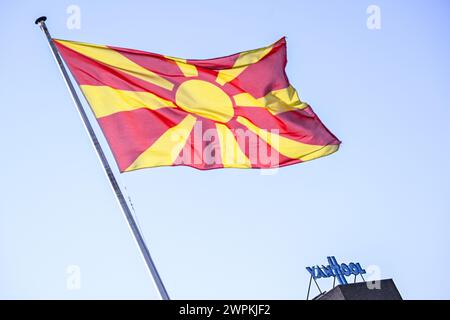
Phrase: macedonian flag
(237, 111)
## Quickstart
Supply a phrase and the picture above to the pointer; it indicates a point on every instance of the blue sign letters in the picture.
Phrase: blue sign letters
(334, 269)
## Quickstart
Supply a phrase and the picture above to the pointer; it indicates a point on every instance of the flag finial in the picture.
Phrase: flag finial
(40, 20)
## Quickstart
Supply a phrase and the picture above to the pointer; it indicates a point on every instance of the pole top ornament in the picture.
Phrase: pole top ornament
(40, 20)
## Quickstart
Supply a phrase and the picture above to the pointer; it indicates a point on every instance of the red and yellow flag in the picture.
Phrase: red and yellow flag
(237, 111)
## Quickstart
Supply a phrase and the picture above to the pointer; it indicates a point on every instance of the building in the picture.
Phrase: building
(386, 290)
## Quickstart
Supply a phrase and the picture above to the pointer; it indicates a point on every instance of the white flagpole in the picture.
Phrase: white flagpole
(109, 173)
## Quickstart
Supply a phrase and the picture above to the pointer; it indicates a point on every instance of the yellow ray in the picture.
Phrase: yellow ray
(324, 151)
(290, 148)
(245, 59)
(276, 102)
(188, 70)
(232, 155)
(165, 150)
(117, 61)
(106, 100)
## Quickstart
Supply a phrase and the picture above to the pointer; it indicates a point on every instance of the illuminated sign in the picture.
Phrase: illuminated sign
(334, 269)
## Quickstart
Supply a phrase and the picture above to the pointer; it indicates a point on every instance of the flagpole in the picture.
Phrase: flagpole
(109, 173)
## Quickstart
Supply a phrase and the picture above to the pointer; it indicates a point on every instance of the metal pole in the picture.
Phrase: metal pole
(309, 287)
(112, 179)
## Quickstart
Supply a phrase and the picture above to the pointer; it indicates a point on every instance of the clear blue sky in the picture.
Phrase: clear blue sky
(383, 199)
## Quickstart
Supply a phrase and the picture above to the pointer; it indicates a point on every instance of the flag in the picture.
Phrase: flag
(237, 111)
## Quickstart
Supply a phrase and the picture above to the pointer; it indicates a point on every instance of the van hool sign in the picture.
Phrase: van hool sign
(334, 269)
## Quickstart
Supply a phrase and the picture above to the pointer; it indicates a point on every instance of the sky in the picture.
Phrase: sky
(381, 200)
